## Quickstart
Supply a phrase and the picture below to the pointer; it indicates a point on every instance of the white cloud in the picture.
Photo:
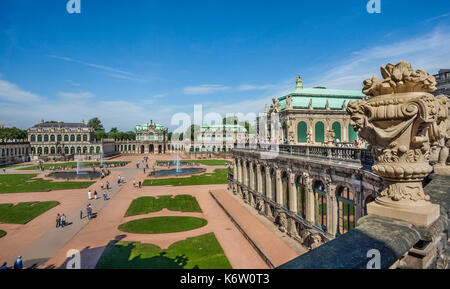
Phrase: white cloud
(205, 89)
(76, 95)
(159, 95)
(427, 52)
(11, 92)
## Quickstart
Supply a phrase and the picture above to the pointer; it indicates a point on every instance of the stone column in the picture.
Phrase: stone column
(252, 177)
(268, 184)
(244, 173)
(292, 192)
(307, 180)
(259, 177)
(331, 208)
(239, 171)
(279, 184)
(235, 170)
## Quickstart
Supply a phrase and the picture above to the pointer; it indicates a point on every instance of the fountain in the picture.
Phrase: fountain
(178, 171)
(78, 174)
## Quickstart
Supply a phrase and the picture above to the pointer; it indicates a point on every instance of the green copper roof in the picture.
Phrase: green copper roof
(301, 98)
(145, 126)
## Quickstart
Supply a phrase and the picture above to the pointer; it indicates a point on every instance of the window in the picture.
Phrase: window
(337, 131)
(72, 150)
(46, 137)
(39, 138)
(352, 134)
(263, 183)
(58, 138)
(319, 132)
(255, 179)
(320, 205)
(52, 150)
(52, 138)
(273, 185)
(85, 137)
(66, 137)
(46, 151)
(301, 197)
(33, 138)
(302, 132)
(98, 150)
(78, 137)
(72, 137)
(151, 136)
(39, 150)
(346, 210)
(66, 150)
(285, 188)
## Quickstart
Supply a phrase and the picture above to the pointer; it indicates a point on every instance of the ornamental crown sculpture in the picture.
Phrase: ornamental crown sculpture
(399, 119)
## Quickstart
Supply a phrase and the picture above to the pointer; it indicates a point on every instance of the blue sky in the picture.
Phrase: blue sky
(131, 61)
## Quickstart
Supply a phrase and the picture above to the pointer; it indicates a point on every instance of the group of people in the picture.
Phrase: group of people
(61, 220)
(18, 264)
(138, 184)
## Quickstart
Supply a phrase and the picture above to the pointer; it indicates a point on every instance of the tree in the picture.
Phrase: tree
(96, 124)
(101, 134)
(192, 131)
(12, 133)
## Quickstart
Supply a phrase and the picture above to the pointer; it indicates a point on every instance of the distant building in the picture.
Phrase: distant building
(14, 151)
(150, 138)
(313, 116)
(443, 82)
(61, 141)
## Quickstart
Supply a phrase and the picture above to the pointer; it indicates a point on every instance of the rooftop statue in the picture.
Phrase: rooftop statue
(298, 81)
(399, 119)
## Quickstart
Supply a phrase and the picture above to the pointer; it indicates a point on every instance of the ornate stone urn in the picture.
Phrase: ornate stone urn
(399, 119)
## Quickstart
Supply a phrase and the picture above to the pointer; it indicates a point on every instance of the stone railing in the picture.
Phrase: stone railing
(353, 155)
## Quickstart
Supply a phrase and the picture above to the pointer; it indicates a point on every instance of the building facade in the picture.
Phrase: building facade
(151, 138)
(314, 116)
(443, 82)
(14, 151)
(62, 141)
(317, 183)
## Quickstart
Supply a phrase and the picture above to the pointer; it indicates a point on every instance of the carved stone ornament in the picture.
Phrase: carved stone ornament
(399, 119)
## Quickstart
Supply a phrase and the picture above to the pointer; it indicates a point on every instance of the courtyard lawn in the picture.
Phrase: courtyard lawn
(69, 164)
(219, 176)
(160, 225)
(2, 233)
(201, 252)
(22, 213)
(22, 183)
(145, 205)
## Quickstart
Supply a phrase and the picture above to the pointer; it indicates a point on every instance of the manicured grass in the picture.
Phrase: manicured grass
(218, 177)
(201, 252)
(13, 166)
(21, 183)
(2, 233)
(22, 213)
(204, 162)
(145, 205)
(160, 225)
(68, 164)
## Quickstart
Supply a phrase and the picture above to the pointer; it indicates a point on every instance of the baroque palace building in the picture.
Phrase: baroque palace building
(150, 138)
(59, 141)
(314, 116)
(313, 186)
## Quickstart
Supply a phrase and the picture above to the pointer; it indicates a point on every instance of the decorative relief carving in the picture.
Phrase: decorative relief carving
(399, 119)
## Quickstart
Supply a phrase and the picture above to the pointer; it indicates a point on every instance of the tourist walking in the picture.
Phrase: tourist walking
(134, 183)
(118, 180)
(81, 214)
(105, 197)
(88, 211)
(107, 185)
(58, 220)
(101, 185)
(140, 184)
(63, 220)
(18, 264)
(95, 195)
(89, 195)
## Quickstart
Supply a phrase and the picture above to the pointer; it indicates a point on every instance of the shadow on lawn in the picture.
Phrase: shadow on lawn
(117, 257)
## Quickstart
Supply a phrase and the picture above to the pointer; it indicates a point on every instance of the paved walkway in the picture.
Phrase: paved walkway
(275, 249)
(48, 244)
